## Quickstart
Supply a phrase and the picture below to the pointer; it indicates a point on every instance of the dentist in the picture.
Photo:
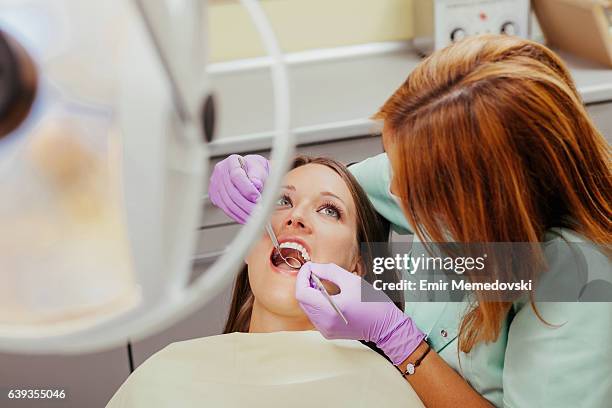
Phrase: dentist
(486, 141)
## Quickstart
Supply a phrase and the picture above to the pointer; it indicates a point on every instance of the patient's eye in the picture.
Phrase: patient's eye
(331, 209)
(283, 201)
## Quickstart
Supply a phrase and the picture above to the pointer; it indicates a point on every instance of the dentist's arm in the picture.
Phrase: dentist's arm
(382, 323)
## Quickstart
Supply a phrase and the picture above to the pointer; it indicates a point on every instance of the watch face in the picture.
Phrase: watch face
(410, 368)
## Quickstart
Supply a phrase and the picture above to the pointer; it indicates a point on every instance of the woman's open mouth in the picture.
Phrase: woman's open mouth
(289, 249)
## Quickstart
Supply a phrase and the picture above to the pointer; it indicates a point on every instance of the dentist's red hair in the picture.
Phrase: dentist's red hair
(489, 141)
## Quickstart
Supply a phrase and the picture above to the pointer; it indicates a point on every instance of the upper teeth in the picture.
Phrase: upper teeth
(295, 245)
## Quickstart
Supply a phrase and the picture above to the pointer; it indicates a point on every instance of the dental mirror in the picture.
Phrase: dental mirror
(292, 262)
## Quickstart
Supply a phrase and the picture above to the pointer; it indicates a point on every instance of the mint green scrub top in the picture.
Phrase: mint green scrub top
(531, 364)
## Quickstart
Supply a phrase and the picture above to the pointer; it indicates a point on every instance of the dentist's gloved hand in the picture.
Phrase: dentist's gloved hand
(235, 191)
(380, 322)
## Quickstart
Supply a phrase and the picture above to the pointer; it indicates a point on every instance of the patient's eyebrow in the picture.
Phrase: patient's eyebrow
(327, 193)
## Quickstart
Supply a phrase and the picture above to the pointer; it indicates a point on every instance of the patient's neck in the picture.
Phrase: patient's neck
(265, 321)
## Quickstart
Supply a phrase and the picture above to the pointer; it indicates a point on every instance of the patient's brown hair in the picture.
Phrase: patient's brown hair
(371, 228)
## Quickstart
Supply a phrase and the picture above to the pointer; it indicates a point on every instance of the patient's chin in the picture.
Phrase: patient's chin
(284, 304)
(274, 291)
(278, 297)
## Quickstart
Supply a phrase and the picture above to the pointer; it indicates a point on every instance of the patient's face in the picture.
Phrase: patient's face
(315, 210)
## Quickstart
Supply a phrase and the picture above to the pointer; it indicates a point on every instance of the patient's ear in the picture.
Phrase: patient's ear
(359, 268)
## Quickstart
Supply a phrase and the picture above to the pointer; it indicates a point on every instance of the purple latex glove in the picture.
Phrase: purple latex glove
(235, 191)
(380, 322)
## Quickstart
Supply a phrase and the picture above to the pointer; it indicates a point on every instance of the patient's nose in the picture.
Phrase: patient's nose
(296, 220)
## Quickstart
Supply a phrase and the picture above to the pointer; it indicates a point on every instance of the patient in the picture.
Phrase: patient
(270, 354)
(324, 212)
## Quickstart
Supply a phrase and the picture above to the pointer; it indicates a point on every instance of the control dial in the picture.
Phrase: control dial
(508, 28)
(457, 34)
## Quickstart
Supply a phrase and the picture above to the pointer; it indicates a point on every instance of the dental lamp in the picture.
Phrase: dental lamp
(104, 158)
